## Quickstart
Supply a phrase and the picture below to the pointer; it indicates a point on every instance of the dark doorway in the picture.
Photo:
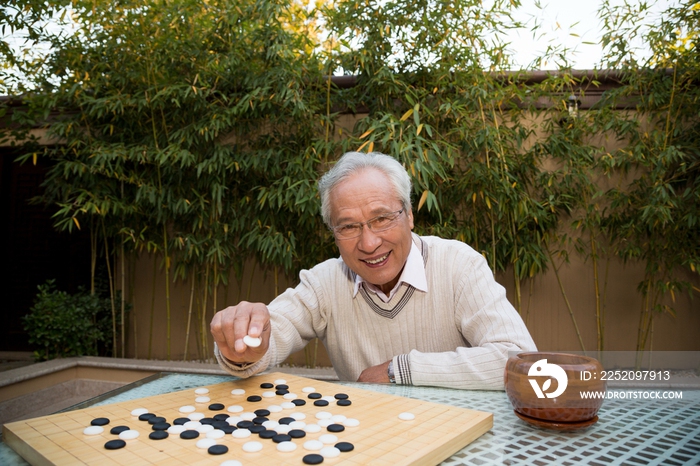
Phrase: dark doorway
(31, 250)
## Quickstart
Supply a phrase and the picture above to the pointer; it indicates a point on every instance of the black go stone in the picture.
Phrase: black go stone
(297, 433)
(286, 420)
(335, 428)
(221, 417)
(156, 420)
(161, 426)
(261, 412)
(254, 398)
(228, 429)
(158, 435)
(216, 406)
(256, 429)
(282, 387)
(259, 420)
(266, 385)
(207, 421)
(313, 458)
(147, 416)
(189, 434)
(314, 396)
(245, 424)
(321, 403)
(217, 449)
(344, 402)
(267, 434)
(219, 425)
(279, 438)
(341, 396)
(118, 430)
(100, 421)
(345, 446)
(115, 444)
(281, 392)
(299, 402)
(181, 421)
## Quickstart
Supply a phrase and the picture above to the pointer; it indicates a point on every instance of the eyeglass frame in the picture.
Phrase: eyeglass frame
(368, 223)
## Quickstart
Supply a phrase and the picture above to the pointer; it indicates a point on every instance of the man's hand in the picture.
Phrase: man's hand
(228, 327)
(375, 374)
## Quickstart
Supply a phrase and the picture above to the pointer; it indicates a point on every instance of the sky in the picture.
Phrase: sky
(569, 23)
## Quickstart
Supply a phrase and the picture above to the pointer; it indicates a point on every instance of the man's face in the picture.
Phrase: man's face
(376, 257)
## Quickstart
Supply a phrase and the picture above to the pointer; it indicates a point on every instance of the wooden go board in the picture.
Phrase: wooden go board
(381, 438)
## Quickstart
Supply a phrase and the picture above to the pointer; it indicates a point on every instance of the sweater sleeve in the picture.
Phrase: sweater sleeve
(488, 323)
(296, 317)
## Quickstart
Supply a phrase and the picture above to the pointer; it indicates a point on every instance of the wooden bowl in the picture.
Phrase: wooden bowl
(546, 387)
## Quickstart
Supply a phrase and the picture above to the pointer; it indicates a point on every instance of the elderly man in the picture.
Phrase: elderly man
(395, 307)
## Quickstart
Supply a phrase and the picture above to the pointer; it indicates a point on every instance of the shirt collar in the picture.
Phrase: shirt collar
(413, 274)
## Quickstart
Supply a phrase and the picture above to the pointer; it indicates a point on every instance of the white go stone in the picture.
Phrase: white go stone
(205, 443)
(312, 428)
(274, 408)
(290, 396)
(313, 445)
(237, 391)
(351, 422)
(139, 411)
(298, 416)
(196, 416)
(283, 429)
(280, 382)
(270, 425)
(308, 389)
(176, 430)
(286, 446)
(297, 424)
(201, 391)
(325, 422)
(328, 439)
(233, 420)
(252, 447)
(240, 433)
(205, 428)
(216, 434)
(338, 418)
(193, 425)
(247, 416)
(93, 430)
(129, 434)
(235, 409)
(251, 341)
(202, 399)
(407, 416)
(329, 452)
(231, 463)
(288, 405)
(269, 394)
(323, 415)
(187, 409)
(330, 399)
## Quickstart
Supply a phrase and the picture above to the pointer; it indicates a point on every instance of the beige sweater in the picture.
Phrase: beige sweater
(457, 335)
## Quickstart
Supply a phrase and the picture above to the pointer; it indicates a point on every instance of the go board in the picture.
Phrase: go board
(369, 422)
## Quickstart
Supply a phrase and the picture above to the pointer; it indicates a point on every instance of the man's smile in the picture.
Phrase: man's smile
(378, 260)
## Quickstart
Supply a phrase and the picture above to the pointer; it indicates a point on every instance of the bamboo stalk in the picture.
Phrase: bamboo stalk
(566, 300)
(111, 291)
(189, 318)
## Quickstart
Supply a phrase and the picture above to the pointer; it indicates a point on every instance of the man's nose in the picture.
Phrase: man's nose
(369, 240)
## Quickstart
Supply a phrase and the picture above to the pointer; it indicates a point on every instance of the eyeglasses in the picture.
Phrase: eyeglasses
(379, 223)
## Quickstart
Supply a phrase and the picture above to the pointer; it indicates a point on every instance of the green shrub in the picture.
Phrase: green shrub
(65, 325)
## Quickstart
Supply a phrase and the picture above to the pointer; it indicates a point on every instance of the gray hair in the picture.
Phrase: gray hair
(353, 162)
